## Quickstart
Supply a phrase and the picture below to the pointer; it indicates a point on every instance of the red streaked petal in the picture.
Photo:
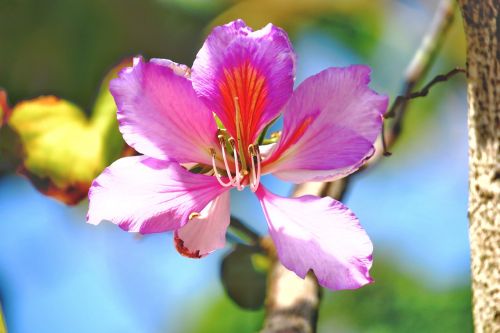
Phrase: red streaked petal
(256, 67)
(329, 126)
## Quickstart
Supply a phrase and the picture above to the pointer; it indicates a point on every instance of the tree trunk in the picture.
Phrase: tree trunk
(482, 28)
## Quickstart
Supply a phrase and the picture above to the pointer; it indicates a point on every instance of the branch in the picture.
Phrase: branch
(404, 99)
(299, 312)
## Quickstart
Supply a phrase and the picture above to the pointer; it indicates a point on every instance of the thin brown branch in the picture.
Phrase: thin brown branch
(300, 312)
(423, 92)
(419, 66)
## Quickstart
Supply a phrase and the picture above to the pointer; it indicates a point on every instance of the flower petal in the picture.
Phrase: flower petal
(206, 232)
(160, 114)
(257, 67)
(329, 126)
(142, 194)
(319, 234)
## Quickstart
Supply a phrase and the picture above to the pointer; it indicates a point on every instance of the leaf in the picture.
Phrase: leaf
(243, 282)
(64, 149)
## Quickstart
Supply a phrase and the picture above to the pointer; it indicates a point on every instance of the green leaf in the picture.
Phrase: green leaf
(65, 150)
(243, 282)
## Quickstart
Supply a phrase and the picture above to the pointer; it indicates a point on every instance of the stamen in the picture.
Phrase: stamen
(217, 175)
(222, 141)
(237, 180)
(254, 155)
(193, 215)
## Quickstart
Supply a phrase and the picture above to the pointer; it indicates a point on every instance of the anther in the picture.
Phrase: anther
(193, 215)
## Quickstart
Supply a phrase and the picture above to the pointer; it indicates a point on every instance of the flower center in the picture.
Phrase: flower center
(241, 175)
(239, 157)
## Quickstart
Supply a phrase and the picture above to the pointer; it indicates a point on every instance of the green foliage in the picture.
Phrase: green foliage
(223, 316)
(291, 15)
(360, 31)
(396, 302)
(62, 47)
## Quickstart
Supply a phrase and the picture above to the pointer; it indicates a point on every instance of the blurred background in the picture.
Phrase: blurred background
(58, 274)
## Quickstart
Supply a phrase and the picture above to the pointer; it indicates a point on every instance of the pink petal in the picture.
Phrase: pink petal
(319, 234)
(257, 67)
(146, 195)
(330, 125)
(160, 114)
(206, 232)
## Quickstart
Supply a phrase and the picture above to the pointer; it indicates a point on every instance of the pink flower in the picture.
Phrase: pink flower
(168, 112)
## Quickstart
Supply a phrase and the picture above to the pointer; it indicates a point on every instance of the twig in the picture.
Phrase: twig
(306, 294)
(401, 99)
(419, 66)
(423, 92)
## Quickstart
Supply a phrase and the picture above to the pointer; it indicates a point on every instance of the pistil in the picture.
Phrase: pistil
(238, 134)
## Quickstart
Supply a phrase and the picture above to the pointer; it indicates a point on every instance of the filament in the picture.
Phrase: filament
(217, 175)
(239, 174)
(255, 177)
(226, 165)
(236, 166)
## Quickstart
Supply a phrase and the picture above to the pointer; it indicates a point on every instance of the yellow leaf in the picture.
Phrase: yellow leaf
(65, 150)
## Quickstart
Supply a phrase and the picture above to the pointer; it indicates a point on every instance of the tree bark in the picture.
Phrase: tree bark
(482, 28)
